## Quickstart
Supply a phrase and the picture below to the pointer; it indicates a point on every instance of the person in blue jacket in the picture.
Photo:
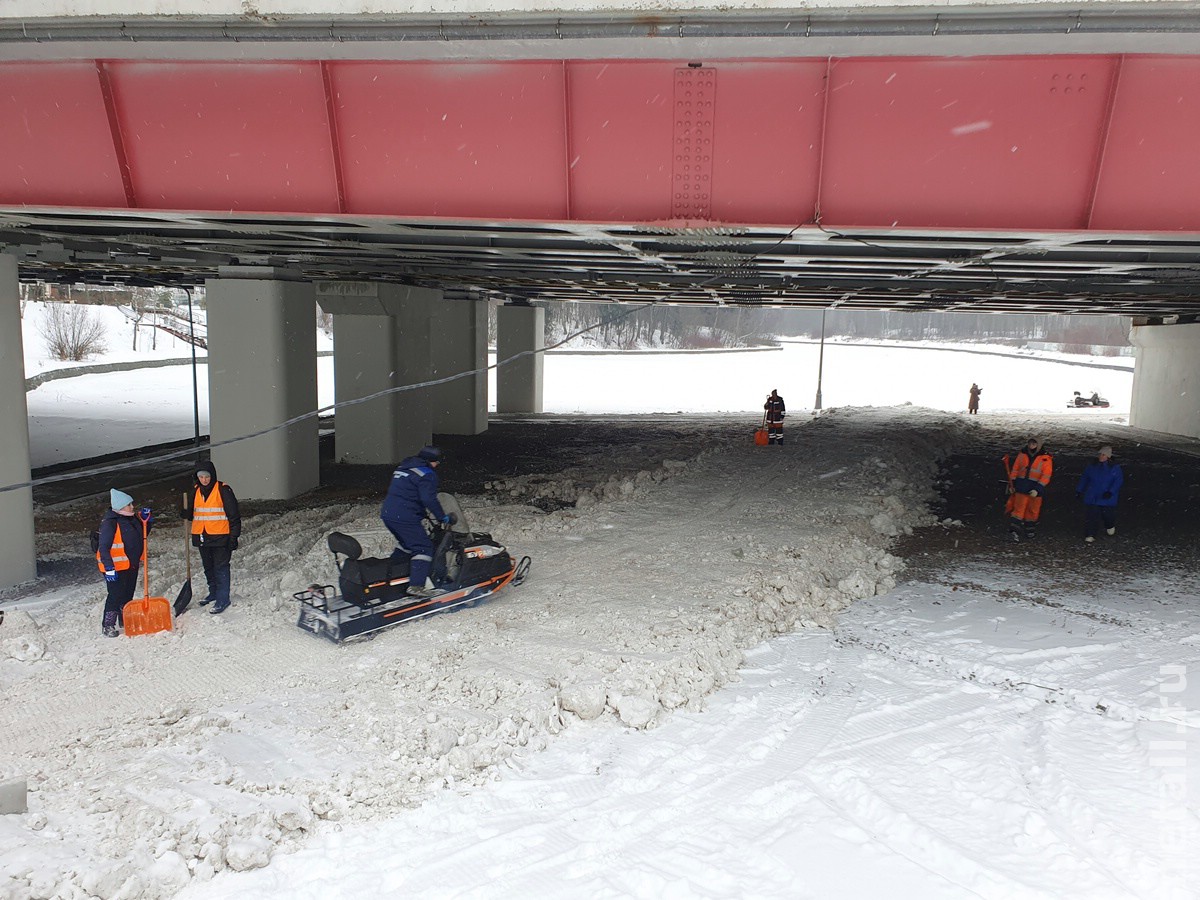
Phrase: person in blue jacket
(414, 490)
(1099, 488)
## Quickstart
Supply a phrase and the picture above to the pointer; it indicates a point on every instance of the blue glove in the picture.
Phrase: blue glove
(110, 575)
(447, 519)
(144, 514)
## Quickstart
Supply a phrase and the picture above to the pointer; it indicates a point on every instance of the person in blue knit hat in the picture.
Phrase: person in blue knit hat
(119, 553)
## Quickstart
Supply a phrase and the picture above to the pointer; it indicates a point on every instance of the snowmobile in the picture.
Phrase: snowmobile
(371, 593)
(1093, 402)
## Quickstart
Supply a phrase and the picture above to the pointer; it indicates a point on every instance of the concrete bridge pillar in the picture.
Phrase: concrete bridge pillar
(459, 340)
(262, 372)
(381, 341)
(519, 330)
(1166, 378)
(18, 561)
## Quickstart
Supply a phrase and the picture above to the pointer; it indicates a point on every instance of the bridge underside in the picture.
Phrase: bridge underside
(1151, 276)
(558, 160)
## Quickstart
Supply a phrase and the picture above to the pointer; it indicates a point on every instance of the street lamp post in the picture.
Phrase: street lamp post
(820, 363)
(195, 380)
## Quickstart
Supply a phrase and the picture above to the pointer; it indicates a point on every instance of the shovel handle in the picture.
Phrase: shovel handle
(187, 539)
(146, 558)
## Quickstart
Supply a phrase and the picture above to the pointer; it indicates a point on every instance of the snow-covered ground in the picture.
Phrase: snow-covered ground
(140, 410)
(715, 683)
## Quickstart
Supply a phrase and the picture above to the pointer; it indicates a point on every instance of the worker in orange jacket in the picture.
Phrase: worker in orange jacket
(1028, 476)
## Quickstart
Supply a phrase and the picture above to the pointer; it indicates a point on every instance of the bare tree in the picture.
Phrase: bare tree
(72, 332)
(140, 303)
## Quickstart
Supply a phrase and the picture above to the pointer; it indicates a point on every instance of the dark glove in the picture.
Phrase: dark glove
(233, 543)
(1107, 495)
(186, 513)
(1079, 495)
(110, 575)
(144, 514)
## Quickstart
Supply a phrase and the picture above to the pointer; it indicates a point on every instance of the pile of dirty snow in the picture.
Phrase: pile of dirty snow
(156, 761)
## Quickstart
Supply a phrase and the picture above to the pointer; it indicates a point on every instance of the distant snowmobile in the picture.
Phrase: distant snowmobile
(371, 593)
(1081, 402)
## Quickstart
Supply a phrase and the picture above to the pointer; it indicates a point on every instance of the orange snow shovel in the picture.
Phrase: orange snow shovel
(150, 614)
(761, 436)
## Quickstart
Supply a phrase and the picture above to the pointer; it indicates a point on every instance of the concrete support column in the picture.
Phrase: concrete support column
(381, 341)
(459, 340)
(262, 371)
(519, 383)
(18, 561)
(1166, 378)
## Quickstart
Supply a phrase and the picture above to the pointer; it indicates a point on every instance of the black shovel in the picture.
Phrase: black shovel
(185, 592)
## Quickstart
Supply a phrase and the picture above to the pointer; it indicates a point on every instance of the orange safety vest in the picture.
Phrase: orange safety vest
(120, 560)
(1040, 470)
(208, 514)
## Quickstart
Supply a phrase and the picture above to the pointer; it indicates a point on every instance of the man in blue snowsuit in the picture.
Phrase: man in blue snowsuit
(413, 490)
(1098, 488)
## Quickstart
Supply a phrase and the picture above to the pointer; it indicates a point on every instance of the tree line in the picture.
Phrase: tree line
(617, 326)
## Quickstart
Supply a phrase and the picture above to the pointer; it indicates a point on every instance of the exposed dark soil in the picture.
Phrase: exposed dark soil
(1158, 518)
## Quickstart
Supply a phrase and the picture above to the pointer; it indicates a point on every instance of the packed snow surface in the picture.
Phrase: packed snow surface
(711, 685)
(730, 694)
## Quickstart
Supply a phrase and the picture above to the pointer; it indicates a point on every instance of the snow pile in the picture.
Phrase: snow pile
(159, 761)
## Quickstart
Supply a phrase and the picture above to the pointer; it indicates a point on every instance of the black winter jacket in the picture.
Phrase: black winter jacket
(131, 537)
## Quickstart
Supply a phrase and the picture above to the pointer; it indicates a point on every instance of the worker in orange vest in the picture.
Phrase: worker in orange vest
(120, 544)
(216, 527)
(1028, 476)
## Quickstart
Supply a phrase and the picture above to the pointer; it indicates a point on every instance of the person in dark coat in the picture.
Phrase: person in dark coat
(120, 548)
(414, 490)
(216, 528)
(973, 403)
(775, 412)
(1099, 488)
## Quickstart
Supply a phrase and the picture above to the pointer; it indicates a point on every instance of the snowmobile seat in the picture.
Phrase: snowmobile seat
(343, 544)
(364, 580)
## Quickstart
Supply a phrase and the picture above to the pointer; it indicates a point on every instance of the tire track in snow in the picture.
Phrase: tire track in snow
(950, 742)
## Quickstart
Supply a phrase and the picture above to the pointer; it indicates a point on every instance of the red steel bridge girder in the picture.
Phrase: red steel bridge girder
(1102, 142)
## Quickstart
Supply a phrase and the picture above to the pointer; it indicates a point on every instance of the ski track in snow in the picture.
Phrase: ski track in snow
(901, 718)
